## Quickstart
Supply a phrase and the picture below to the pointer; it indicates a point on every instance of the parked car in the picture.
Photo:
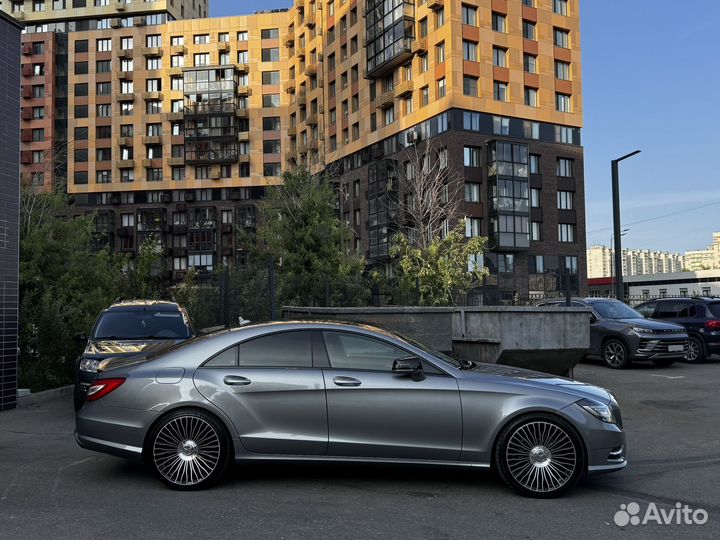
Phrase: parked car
(620, 335)
(315, 391)
(128, 328)
(699, 316)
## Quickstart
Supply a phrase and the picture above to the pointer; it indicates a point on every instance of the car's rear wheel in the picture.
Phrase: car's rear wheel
(696, 350)
(189, 450)
(615, 354)
(539, 456)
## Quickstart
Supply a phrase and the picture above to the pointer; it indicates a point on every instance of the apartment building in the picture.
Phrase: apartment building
(635, 262)
(704, 259)
(174, 131)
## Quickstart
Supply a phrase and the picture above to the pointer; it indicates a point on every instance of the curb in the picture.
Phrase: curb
(44, 396)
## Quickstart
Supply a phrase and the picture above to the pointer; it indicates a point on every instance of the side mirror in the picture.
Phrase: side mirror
(593, 319)
(410, 365)
(80, 338)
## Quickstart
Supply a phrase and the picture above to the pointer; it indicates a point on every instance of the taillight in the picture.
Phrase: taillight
(713, 325)
(101, 388)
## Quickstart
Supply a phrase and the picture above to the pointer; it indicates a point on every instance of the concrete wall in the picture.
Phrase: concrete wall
(9, 206)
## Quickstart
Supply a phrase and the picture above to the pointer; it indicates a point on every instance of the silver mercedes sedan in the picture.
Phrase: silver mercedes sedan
(322, 391)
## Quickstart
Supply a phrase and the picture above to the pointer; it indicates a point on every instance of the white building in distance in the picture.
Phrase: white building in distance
(704, 259)
(635, 262)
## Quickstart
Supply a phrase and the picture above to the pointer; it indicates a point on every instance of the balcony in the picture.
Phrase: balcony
(176, 161)
(403, 89)
(290, 155)
(301, 99)
(292, 131)
(229, 155)
(311, 120)
(127, 53)
(151, 51)
(290, 87)
(152, 96)
(210, 108)
(393, 56)
(27, 49)
(290, 39)
(419, 46)
(152, 139)
(384, 101)
(434, 4)
(115, 22)
(300, 52)
(126, 97)
(313, 145)
(244, 136)
(120, 5)
(243, 68)
(241, 112)
(223, 46)
(125, 75)
(175, 71)
(244, 91)
(244, 158)
(175, 116)
(311, 70)
(178, 49)
(310, 20)
(125, 141)
(125, 164)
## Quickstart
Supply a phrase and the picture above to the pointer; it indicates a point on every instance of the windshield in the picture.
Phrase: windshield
(615, 310)
(128, 325)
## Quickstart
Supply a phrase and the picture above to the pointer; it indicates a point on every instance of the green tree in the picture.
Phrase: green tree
(439, 271)
(308, 241)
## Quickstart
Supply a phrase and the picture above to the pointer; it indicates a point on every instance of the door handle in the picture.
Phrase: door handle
(236, 380)
(346, 381)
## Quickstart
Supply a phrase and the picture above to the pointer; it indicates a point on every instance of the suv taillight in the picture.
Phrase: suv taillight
(102, 387)
(712, 325)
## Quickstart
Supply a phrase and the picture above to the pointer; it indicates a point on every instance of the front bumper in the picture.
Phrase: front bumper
(605, 443)
(650, 348)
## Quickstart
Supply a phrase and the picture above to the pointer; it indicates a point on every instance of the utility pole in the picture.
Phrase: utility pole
(619, 288)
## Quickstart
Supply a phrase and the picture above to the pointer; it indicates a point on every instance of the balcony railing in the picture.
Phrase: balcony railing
(211, 156)
(209, 108)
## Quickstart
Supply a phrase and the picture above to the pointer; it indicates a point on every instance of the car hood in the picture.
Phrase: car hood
(539, 379)
(108, 348)
(652, 324)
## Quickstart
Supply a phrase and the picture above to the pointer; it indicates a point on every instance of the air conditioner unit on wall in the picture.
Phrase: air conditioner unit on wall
(412, 137)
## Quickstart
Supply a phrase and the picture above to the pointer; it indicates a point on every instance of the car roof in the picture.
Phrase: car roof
(706, 299)
(144, 305)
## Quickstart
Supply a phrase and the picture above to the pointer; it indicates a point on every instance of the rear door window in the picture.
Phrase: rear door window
(714, 309)
(686, 310)
(647, 309)
(667, 310)
(285, 349)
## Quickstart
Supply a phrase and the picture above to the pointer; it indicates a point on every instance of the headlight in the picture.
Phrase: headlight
(641, 330)
(89, 365)
(598, 410)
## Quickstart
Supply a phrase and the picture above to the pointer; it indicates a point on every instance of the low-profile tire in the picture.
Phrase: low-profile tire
(188, 450)
(696, 350)
(540, 456)
(663, 362)
(615, 354)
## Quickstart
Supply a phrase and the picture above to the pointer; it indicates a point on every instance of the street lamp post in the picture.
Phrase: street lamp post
(612, 235)
(619, 289)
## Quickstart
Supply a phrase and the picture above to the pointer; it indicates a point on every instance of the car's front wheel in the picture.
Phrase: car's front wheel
(539, 456)
(696, 350)
(615, 354)
(189, 450)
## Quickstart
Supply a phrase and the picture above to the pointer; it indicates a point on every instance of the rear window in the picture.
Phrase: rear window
(130, 325)
(714, 309)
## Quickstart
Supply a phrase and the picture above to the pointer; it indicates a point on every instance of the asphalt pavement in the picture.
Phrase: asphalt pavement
(52, 489)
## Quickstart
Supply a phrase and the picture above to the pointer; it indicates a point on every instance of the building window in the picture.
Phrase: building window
(103, 177)
(272, 169)
(562, 102)
(424, 96)
(201, 39)
(271, 77)
(499, 57)
(201, 59)
(528, 3)
(126, 64)
(564, 134)
(528, 30)
(104, 88)
(500, 91)
(153, 63)
(472, 192)
(126, 109)
(269, 33)
(531, 129)
(470, 86)
(564, 167)
(271, 100)
(423, 27)
(534, 164)
(102, 45)
(469, 15)
(472, 227)
(271, 54)
(530, 63)
(565, 200)
(440, 53)
(424, 65)
(501, 125)
(153, 40)
(441, 90)
(471, 156)
(38, 135)
(177, 60)
(562, 70)
(535, 197)
(388, 118)
(178, 173)
(103, 66)
(498, 22)
(103, 132)
(127, 175)
(469, 51)
(561, 38)
(439, 17)
(531, 96)
(242, 35)
(560, 7)
(566, 232)
(535, 231)
(153, 107)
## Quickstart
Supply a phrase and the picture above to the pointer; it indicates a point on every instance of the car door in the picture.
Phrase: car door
(273, 395)
(373, 412)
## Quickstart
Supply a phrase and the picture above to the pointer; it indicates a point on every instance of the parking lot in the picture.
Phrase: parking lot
(51, 488)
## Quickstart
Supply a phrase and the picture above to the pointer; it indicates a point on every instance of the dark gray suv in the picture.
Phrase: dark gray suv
(620, 335)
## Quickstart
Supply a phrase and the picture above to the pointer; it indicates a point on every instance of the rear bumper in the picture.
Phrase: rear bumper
(133, 453)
